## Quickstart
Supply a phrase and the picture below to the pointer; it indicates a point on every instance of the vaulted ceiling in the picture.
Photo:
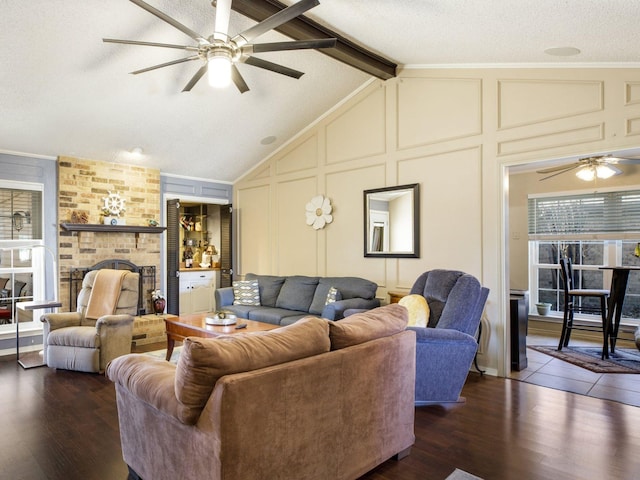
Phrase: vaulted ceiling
(65, 92)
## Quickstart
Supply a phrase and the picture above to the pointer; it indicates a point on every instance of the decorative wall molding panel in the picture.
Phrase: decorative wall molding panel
(302, 157)
(432, 110)
(555, 139)
(631, 93)
(360, 131)
(260, 173)
(297, 251)
(632, 126)
(527, 102)
(253, 216)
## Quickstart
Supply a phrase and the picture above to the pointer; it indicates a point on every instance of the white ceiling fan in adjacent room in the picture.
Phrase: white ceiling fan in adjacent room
(590, 168)
(220, 54)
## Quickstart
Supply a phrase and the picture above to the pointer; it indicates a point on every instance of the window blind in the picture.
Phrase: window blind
(599, 215)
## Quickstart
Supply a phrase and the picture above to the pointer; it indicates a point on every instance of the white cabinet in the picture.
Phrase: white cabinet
(196, 291)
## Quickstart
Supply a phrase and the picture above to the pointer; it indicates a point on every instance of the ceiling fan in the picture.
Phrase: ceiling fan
(589, 168)
(220, 53)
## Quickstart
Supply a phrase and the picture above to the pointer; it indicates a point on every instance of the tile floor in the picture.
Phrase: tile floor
(551, 372)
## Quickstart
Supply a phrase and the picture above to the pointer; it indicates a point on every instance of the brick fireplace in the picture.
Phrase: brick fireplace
(82, 186)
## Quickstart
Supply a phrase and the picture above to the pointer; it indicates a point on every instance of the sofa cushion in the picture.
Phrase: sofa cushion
(269, 286)
(83, 337)
(320, 297)
(365, 326)
(240, 311)
(246, 292)
(352, 287)
(273, 315)
(297, 293)
(204, 360)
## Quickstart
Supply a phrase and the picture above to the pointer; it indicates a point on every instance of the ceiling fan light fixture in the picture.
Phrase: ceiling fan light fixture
(219, 68)
(602, 171)
(586, 173)
(607, 171)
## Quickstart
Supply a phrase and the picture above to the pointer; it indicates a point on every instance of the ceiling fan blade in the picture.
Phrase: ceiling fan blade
(238, 80)
(274, 21)
(296, 45)
(150, 44)
(623, 160)
(223, 12)
(274, 67)
(557, 168)
(174, 23)
(198, 75)
(173, 62)
(568, 169)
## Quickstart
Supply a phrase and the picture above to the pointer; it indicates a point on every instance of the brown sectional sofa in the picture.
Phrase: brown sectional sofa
(313, 400)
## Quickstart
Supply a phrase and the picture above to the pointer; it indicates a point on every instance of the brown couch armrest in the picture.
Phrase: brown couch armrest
(148, 379)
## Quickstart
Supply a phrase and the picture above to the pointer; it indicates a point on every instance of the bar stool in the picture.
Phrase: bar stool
(570, 306)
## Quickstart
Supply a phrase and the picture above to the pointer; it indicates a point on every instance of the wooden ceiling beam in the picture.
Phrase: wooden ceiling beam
(303, 28)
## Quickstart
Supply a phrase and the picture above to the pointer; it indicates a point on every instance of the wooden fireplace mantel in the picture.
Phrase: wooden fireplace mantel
(96, 227)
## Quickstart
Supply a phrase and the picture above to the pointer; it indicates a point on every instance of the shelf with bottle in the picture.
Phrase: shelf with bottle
(194, 236)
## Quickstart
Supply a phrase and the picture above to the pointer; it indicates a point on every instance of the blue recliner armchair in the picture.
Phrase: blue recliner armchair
(446, 348)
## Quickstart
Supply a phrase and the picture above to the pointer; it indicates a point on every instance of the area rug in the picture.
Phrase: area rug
(461, 475)
(624, 360)
(163, 354)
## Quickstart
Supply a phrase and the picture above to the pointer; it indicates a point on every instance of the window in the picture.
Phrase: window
(21, 252)
(20, 214)
(593, 229)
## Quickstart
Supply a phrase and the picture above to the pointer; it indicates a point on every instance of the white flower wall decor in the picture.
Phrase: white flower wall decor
(319, 212)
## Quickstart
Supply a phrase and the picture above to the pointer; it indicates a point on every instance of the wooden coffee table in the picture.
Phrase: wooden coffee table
(179, 328)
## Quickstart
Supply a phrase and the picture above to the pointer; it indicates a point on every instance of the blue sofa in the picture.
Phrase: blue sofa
(286, 299)
(447, 347)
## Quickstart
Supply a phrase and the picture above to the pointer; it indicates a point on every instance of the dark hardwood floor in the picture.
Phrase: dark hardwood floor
(60, 425)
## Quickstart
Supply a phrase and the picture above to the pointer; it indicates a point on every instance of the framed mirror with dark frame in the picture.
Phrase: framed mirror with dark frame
(392, 222)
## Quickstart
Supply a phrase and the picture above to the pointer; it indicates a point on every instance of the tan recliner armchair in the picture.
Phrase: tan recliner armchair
(102, 327)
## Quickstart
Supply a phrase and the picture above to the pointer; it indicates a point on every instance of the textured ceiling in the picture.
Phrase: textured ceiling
(65, 92)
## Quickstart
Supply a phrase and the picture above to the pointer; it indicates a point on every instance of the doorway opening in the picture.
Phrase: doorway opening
(199, 252)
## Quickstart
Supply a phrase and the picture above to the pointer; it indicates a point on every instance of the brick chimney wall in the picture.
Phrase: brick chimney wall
(82, 186)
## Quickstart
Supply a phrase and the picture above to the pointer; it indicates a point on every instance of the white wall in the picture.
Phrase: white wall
(452, 131)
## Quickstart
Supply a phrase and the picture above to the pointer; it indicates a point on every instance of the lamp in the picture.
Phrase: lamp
(602, 170)
(219, 68)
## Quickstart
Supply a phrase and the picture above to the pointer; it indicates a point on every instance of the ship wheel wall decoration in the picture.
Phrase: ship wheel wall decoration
(113, 204)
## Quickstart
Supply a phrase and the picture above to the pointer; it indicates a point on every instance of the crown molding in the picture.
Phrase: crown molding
(555, 65)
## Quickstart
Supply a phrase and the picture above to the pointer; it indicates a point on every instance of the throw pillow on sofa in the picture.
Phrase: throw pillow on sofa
(418, 310)
(246, 292)
(333, 296)
(324, 295)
